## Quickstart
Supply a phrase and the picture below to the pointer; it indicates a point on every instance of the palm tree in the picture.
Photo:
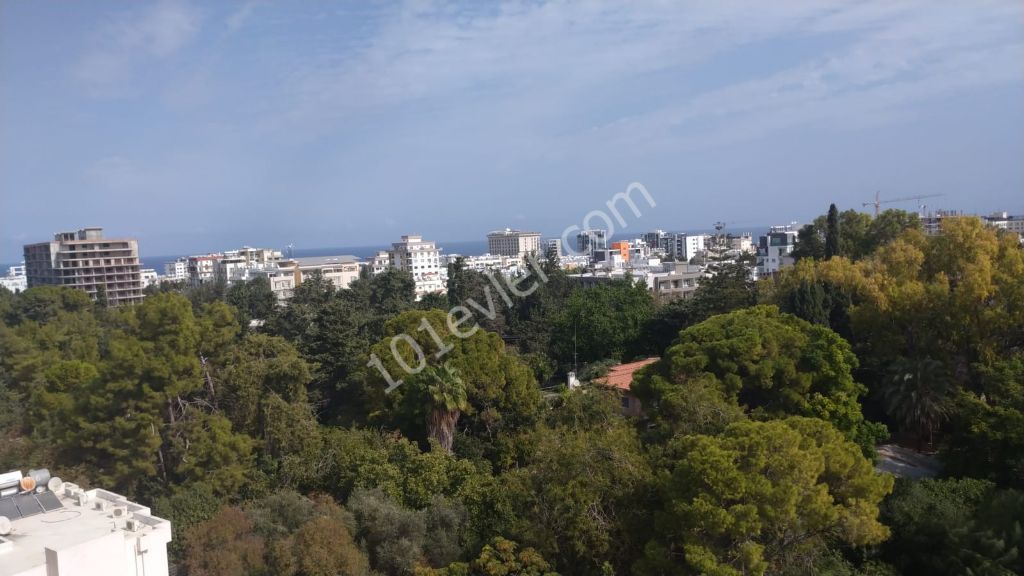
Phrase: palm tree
(446, 393)
(918, 396)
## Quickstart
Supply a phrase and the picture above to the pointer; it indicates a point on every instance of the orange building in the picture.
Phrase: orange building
(623, 248)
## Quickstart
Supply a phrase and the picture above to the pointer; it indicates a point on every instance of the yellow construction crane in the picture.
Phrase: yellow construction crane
(878, 200)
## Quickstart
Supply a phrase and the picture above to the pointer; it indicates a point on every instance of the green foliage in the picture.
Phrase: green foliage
(605, 321)
(955, 526)
(498, 558)
(254, 300)
(832, 236)
(987, 429)
(861, 234)
(773, 364)
(333, 329)
(581, 494)
(269, 539)
(503, 398)
(761, 497)
(729, 289)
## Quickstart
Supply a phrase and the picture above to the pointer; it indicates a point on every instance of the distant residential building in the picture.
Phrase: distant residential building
(54, 528)
(484, 262)
(15, 280)
(932, 222)
(590, 241)
(1005, 221)
(678, 282)
(685, 247)
(422, 259)
(176, 271)
(381, 262)
(622, 248)
(285, 275)
(775, 249)
(509, 242)
(610, 258)
(552, 247)
(202, 269)
(743, 243)
(239, 265)
(148, 277)
(87, 261)
(659, 241)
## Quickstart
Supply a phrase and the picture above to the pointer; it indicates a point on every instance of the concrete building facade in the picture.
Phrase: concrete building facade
(775, 249)
(422, 259)
(686, 246)
(87, 261)
(517, 243)
(552, 247)
(176, 271)
(284, 276)
(239, 265)
(202, 268)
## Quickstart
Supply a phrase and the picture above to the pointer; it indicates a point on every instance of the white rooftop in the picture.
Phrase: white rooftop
(94, 532)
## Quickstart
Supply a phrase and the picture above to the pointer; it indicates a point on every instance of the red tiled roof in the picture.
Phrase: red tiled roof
(621, 376)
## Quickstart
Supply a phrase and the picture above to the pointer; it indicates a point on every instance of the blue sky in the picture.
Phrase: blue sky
(199, 126)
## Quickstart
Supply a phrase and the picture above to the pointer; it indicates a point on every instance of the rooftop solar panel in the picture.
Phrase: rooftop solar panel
(28, 505)
(49, 501)
(9, 509)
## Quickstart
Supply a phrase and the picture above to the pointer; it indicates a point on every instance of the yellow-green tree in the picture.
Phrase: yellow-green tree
(762, 498)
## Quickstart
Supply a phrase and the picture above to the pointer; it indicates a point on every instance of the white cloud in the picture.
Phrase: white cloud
(537, 67)
(130, 41)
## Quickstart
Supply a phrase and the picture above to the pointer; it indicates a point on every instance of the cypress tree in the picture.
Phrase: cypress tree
(832, 233)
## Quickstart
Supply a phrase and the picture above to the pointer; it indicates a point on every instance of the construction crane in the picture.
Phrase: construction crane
(878, 200)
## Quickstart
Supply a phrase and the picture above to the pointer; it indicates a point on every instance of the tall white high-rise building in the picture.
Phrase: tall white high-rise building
(422, 259)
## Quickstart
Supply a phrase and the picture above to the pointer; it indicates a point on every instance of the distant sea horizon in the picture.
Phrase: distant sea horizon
(461, 247)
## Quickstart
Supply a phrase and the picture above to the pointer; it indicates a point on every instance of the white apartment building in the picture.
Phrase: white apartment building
(422, 259)
(552, 247)
(15, 280)
(381, 262)
(54, 528)
(239, 265)
(685, 246)
(483, 262)
(149, 277)
(509, 242)
(774, 249)
(202, 269)
(285, 275)
(1005, 221)
(176, 271)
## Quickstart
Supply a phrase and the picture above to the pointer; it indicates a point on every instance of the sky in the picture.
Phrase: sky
(203, 126)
